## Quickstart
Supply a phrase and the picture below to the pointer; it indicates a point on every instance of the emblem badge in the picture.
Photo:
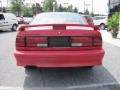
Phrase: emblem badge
(59, 32)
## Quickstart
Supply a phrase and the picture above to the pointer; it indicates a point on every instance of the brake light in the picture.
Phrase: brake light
(81, 41)
(36, 42)
(20, 41)
(97, 41)
(86, 41)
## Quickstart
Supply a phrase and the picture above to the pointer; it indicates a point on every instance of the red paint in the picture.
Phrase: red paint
(56, 56)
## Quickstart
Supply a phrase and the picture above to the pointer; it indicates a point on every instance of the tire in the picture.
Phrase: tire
(89, 67)
(14, 27)
(29, 67)
(102, 26)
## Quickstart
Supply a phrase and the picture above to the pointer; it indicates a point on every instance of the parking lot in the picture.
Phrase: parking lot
(104, 77)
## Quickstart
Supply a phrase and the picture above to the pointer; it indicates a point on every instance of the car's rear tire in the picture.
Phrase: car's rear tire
(89, 67)
(14, 27)
(102, 26)
(29, 67)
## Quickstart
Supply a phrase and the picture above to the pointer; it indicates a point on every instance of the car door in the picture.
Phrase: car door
(3, 22)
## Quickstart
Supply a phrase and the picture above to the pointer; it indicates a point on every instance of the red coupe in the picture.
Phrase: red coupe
(59, 39)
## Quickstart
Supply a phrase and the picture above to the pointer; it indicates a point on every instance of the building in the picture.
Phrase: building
(114, 6)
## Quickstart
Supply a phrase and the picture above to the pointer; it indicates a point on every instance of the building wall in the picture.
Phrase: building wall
(113, 3)
(114, 6)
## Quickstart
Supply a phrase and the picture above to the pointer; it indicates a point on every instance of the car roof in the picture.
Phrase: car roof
(101, 16)
(59, 13)
(6, 13)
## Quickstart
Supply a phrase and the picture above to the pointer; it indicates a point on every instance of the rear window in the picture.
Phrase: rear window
(99, 18)
(2, 17)
(59, 18)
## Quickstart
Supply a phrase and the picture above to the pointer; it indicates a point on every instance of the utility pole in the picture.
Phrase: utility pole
(86, 5)
(53, 6)
(7, 3)
(92, 6)
(92, 13)
(1, 6)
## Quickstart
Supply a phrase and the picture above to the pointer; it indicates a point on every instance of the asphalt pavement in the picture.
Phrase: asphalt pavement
(12, 77)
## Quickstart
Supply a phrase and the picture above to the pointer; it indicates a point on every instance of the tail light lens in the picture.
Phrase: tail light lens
(97, 41)
(85, 41)
(31, 42)
(36, 42)
(20, 41)
(81, 41)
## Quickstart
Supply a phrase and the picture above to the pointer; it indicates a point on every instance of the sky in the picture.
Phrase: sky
(99, 6)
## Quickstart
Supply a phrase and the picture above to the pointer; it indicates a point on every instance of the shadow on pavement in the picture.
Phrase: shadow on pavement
(70, 79)
(5, 32)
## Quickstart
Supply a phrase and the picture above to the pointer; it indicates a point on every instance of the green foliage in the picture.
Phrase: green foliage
(70, 8)
(36, 8)
(27, 11)
(92, 14)
(86, 12)
(4, 10)
(113, 21)
(48, 5)
(60, 8)
(75, 10)
(16, 6)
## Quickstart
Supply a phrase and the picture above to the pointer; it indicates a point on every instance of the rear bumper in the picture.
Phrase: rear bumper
(59, 58)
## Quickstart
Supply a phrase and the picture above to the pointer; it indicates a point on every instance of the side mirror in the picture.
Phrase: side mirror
(96, 27)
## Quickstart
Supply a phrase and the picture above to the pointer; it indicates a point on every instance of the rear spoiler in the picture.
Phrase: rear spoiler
(59, 26)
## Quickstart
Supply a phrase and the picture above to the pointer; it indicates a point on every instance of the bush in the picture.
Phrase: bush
(113, 22)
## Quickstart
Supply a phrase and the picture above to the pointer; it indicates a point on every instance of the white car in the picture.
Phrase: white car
(27, 19)
(8, 22)
(100, 21)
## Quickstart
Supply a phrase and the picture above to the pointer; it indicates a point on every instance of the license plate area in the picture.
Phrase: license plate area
(59, 42)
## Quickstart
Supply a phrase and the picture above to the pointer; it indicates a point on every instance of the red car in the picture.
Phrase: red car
(89, 19)
(20, 20)
(59, 39)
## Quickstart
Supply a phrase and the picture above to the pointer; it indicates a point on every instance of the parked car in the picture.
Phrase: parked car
(8, 21)
(27, 20)
(20, 20)
(89, 19)
(101, 21)
(58, 39)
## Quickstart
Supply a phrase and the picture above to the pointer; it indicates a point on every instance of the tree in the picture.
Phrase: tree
(16, 6)
(92, 14)
(75, 10)
(36, 8)
(86, 12)
(60, 8)
(48, 5)
(70, 8)
(27, 11)
(4, 10)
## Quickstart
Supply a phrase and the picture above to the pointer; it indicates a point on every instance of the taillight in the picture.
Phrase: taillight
(20, 41)
(97, 41)
(81, 41)
(36, 42)
(31, 41)
(86, 41)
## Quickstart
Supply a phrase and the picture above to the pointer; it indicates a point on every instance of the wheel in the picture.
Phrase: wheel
(102, 26)
(14, 27)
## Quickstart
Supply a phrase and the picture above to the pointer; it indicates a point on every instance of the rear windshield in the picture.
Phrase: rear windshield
(2, 17)
(99, 18)
(59, 18)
